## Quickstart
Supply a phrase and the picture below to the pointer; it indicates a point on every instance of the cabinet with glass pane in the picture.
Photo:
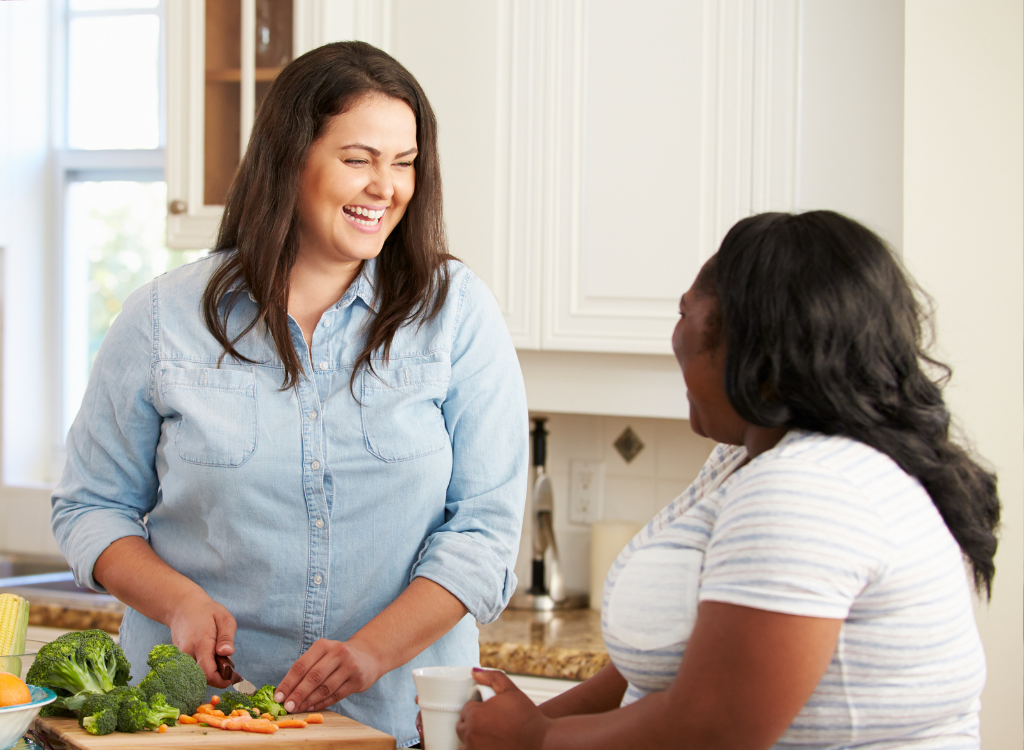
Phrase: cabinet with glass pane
(222, 56)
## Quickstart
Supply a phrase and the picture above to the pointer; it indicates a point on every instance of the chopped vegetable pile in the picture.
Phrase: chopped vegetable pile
(243, 718)
(90, 674)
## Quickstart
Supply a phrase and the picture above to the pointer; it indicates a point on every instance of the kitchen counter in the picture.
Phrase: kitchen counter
(565, 645)
(68, 611)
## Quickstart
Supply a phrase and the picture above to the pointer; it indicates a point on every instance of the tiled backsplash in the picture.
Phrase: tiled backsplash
(634, 491)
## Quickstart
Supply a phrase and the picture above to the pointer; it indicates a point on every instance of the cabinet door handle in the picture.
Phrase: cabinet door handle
(177, 207)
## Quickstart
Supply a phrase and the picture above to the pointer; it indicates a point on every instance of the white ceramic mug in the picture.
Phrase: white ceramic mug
(443, 691)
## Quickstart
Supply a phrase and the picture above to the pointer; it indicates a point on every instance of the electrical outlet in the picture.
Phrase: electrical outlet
(586, 490)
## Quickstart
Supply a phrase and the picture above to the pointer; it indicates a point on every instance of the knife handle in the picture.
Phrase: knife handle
(225, 667)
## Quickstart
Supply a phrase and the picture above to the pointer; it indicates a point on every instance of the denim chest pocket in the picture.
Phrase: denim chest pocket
(401, 410)
(216, 422)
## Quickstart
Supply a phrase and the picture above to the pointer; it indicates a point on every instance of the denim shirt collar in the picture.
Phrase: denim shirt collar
(363, 287)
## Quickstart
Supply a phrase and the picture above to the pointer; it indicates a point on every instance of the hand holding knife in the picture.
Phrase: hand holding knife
(226, 668)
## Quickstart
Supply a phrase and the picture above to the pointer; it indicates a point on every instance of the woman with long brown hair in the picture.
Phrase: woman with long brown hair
(308, 450)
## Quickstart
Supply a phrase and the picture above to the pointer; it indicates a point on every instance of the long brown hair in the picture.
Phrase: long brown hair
(259, 230)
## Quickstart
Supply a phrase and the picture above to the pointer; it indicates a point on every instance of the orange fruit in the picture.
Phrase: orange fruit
(13, 692)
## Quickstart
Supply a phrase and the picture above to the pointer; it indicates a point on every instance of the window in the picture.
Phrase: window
(112, 192)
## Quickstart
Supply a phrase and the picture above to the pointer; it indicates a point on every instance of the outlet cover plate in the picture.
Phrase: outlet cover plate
(586, 491)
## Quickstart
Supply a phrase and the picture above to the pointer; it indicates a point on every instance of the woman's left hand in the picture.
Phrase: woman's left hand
(508, 721)
(326, 673)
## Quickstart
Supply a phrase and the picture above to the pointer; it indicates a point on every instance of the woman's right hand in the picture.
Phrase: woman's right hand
(130, 570)
(204, 629)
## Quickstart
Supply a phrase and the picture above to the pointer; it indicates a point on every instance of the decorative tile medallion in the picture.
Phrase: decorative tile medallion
(628, 444)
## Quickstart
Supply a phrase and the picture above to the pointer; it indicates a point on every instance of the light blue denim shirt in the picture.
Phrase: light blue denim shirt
(305, 512)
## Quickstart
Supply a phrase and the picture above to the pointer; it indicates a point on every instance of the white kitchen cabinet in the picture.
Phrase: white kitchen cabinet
(222, 56)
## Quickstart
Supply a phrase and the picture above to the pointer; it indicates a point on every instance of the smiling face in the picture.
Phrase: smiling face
(702, 360)
(357, 182)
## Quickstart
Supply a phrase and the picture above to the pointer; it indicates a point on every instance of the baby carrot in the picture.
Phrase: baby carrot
(161, 729)
(315, 719)
(236, 723)
(206, 708)
(268, 717)
(291, 723)
(213, 721)
(260, 726)
(215, 700)
(186, 719)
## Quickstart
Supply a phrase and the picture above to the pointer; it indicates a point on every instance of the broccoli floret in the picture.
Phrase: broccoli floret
(98, 712)
(232, 699)
(103, 722)
(136, 714)
(176, 676)
(162, 712)
(94, 703)
(264, 701)
(85, 661)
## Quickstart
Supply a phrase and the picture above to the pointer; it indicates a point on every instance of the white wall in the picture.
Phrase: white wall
(851, 111)
(963, 240)
(25, 238)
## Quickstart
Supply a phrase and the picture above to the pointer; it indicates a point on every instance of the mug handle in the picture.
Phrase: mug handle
(481, 693)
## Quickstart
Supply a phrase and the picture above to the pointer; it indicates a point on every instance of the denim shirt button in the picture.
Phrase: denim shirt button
(315, 465)
(318, 579)
(319, 523)
(324, 365)
(312, 415)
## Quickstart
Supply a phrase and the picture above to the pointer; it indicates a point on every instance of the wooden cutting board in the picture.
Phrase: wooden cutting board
(337, 731)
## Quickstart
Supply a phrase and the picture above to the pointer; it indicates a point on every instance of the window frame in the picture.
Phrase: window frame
(70, 165)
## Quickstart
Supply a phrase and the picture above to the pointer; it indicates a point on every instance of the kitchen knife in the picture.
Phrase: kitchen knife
(226, 668)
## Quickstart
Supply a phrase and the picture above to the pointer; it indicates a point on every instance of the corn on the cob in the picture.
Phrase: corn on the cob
(13, 624)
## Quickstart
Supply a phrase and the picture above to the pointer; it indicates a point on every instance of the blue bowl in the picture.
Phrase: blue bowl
(15, 720)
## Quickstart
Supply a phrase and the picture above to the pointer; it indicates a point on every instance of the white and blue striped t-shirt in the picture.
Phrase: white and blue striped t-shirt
(823, 527)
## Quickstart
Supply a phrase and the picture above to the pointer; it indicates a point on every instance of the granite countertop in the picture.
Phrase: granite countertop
(566, 645)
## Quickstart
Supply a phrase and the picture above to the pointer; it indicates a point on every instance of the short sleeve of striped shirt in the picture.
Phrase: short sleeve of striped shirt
(795, 537)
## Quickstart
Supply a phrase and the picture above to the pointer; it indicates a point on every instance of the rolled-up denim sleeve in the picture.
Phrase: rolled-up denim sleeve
(473, 553)
(110, 480)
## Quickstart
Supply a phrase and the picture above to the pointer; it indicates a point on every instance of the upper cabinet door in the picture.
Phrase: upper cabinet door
(668, 123)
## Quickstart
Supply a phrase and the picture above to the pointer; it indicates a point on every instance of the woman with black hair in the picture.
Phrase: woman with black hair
(808, 589)
(308, 450)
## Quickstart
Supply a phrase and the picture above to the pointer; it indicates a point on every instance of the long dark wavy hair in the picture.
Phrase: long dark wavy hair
(259, 230)
(823, 331)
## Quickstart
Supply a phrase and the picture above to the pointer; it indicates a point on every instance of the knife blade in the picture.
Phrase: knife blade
(226, 668)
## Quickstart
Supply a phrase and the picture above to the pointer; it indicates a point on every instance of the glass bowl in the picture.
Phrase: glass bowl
(18, 664)
(15, 720)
